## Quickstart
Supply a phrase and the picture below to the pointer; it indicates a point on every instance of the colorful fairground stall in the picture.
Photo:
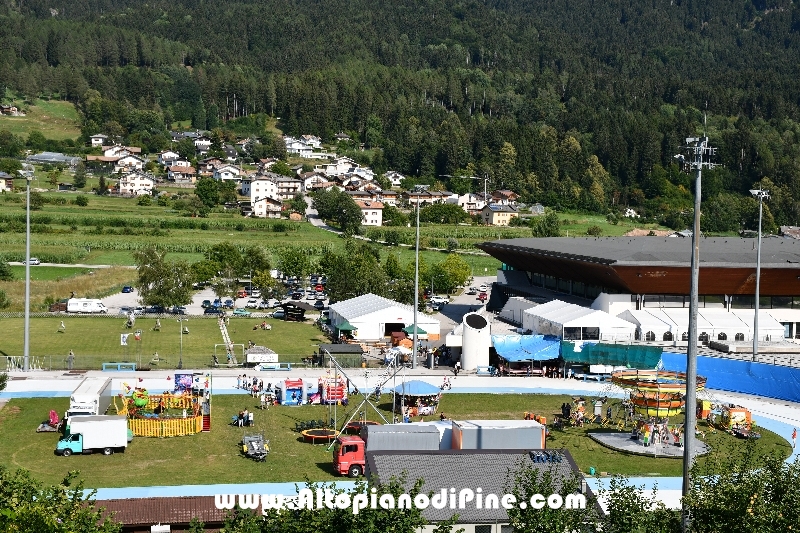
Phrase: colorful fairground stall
(185, 410)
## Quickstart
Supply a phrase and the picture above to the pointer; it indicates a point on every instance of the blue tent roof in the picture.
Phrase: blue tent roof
(514, 348)
(416, 388)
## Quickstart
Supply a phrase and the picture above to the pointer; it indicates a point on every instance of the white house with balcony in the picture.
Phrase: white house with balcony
(337, 167)
(264, 199)
(395, 178)
(167, 157)
(182, 174)
(136, 184)
(98, 140)
(227, 173)
(129, 163)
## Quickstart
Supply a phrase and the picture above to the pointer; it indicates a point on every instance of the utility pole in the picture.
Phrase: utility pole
(485, 179)
(698, 154)
(416, 295)
(26, 364)
(761, 195)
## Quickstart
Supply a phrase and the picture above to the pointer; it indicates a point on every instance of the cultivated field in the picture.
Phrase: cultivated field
(214, 457)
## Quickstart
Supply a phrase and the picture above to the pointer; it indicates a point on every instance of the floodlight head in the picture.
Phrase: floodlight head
(679, 157)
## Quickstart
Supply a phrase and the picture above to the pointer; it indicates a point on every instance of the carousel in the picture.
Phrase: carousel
(657, 393)
(416, 398)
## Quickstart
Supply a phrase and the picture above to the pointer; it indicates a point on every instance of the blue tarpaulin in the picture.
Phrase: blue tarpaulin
(416, 388)
(514, 348)
(741, 376)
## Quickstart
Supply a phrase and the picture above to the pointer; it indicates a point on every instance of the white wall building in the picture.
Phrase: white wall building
(136, 184)
(227, 173)
(375, 317)
(98, 140)
(372, 212)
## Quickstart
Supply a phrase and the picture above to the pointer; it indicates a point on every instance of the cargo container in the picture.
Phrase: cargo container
(498, 435)
(91, 397)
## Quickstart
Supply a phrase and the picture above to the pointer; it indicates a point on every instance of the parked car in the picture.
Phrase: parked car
(178, 310)
(241, 293)
(252, 303)
(217, 303)
(472, 291)
(214, 311)
(154, 310)
(228, 304)
(297, 296)
(124, 310)
(434, 307)
(127, 289)
(255, 293)
(322, 296)
(484, 287)
(311, 295)
(279, 314)
(263, 304)
(483, 296)
(440, 300)
(239, 311)
(33, 261)
(206, 304)
(319, 304)
(138, 310)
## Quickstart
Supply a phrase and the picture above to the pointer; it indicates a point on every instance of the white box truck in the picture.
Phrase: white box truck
(87, 434)
(85, 305)
(91, 397)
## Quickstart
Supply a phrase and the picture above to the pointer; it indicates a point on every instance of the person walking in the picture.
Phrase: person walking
(794, 437)
(238, 382)
(457, 368)
(70, 360)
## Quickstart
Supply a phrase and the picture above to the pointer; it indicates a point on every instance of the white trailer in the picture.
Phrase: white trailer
(91, 397)
(85, 305)
(87, 434)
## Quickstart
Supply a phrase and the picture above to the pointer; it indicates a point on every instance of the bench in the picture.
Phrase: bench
(276, 366)
(485, 370)
(118, 367)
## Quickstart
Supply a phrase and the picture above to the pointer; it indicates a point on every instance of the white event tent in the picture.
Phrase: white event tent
(372, 317)
(574, 322)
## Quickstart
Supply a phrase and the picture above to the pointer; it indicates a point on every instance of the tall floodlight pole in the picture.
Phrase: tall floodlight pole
(699, 152)
(26, 363)
(761, 195)
(416, 295)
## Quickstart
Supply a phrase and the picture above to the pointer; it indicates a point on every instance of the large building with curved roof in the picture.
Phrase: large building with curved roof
(656, 271)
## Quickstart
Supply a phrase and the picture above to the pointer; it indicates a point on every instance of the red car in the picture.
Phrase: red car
(483, 296)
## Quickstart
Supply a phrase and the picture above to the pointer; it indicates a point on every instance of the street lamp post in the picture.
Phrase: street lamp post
(761, 195)
(699, 151)
(180, 330)
(26, 351)
(416, 295)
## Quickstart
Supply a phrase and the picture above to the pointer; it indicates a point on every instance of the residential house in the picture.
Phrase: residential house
(166, 157)
(231, 155)
(395, 178)
(264, 198)
(537, 209)
(297, 147)
(337, 167)
(461, 471)
(202, 144)
(9, 110)
(178, 163)
(180, 135)
(504, 197)
(425, 197)
(117, 150)
(227, 173)
(389, 197)
(371, 211)
(180, 174)
(207, 165)
(265, 164)
(312, 140)
(361, 195)
(498, 215)
(129, 163)
(341, 136)
(470, 202)
(310, 179)
(6, 182)
(97, 140)
(287, 187)
(136, 184)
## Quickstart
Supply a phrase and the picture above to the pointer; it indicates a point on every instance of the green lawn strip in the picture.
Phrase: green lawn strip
(55, 119)
(47, 273)
(96, 340)
(214, 457)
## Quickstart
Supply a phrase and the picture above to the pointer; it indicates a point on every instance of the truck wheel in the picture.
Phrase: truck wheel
(354, 471)
(107, 451)
(67, 452)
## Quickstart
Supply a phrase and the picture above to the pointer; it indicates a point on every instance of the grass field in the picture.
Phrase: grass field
(55, 283)
(96, 340)
(55, 119)
(214, 457)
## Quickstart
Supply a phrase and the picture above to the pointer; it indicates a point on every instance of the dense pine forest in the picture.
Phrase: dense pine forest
(578, 104)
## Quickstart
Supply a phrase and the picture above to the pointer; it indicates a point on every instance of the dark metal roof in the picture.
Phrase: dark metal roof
(491, 470)
(676, 251)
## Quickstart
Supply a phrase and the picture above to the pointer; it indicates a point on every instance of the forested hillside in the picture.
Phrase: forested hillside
(574, 103)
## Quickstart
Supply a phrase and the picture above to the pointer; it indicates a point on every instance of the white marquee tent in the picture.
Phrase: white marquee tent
(574, 322)
(373, 317)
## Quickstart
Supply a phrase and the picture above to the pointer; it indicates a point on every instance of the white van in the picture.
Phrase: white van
(85, 305)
